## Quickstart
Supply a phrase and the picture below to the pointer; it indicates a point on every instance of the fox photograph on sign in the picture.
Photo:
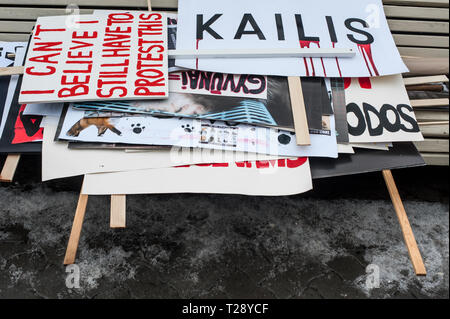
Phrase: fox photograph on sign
(184, 132)
(121, 55)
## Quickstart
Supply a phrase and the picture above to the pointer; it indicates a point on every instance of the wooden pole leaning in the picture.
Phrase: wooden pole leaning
(117, 214)
(408, 235)
(72, 245)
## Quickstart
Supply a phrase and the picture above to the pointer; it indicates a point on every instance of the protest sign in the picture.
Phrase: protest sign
(359, 25)
(184, 132)
(58, 161)
(262, 178)
(18, 130)
(8, 83)
(121, 55)
(272, 108)
(379, 110)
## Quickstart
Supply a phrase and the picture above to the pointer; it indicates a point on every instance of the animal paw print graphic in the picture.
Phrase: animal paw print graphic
(137, 128)
(188, 128)
(284, 138)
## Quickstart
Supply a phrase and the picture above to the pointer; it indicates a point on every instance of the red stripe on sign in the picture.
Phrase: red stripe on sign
(81, 22)
(37, 92)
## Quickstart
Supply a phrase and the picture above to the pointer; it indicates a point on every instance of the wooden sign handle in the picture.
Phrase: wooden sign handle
(75, 234)
(408, 235)
(9, 168)
(299, 111)
(12, 70)
(118, 211)
(433, 123)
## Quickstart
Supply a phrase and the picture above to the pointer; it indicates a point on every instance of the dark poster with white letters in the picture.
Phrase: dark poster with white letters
(22, 133)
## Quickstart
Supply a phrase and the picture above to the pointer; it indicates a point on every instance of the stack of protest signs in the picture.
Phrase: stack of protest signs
(105, 96)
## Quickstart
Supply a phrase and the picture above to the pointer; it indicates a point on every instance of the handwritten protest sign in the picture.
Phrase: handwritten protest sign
(378, 110)
(121, 55)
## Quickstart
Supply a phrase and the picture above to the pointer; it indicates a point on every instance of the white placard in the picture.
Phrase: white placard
(171, 32)
(116, 56)
(8, 48)
(184, 132)
(43, 109)
(264, 24)
(373, 146)
(379, 110)
(263, 178)
(58, 161)
(345, 149)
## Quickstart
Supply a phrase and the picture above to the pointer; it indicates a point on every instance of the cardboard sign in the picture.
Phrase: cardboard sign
(378, 110)
(20, 130)
(252, 24)
(171, 32)
(401, 155)
(183, 132)
(7, 48)
(58, 161)
(260, 178)
(275, 111)
(8, 83)
(17, 129)
(172, 38)
(211, 83)
(44, 109)
(114, 56)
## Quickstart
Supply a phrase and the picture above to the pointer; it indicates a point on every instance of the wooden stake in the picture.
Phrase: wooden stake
(11, 70)
(408, 234)
(118, 211)
(425, 80)
(74, 238)
(426, 87)
(429, 102)
(9, 168)
(433, 123)
(299, 111)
